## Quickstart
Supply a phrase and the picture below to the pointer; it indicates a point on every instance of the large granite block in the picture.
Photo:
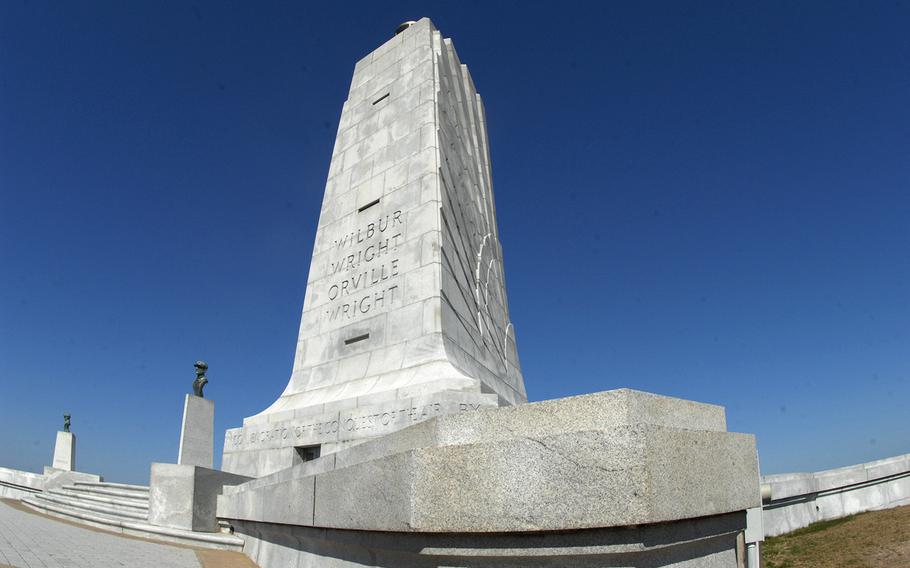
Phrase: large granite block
(197, 432)
(184, 496)
(586, 412)
(627, 475)
(599, 460)
(65, 451)
(474, 422)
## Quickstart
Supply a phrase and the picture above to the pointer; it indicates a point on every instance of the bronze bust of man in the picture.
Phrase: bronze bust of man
(200, 381)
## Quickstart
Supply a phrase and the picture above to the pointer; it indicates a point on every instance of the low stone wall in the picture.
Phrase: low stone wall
(706, 542)
(800, 499)
(15, 484)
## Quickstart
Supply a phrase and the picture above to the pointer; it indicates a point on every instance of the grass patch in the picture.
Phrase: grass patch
(821, 526)
(877, 539)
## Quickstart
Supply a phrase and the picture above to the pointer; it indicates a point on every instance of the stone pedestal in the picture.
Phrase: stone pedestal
(197, 432)
(183, 496)
(613, 477)
(65, 451)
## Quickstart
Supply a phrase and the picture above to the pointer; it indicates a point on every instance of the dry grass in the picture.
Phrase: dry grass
(877, 539)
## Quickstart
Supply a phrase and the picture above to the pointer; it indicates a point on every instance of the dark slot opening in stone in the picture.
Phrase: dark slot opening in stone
(368, 205)
(308, 453)
(383, 97)
(357, 338)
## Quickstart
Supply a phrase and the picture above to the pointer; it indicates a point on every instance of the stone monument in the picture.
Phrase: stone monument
(198, 428)
(182, 495)
(62, 470)
(403, 436)
(65, 448)
(405, 314)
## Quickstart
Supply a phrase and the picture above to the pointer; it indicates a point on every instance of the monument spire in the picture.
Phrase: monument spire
(405, 306)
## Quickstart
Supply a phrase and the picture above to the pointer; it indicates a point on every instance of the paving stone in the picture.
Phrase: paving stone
(33, 541)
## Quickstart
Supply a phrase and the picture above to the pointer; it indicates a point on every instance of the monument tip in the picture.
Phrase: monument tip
(403, 26)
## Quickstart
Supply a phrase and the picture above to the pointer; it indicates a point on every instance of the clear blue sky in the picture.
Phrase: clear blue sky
(708, 200)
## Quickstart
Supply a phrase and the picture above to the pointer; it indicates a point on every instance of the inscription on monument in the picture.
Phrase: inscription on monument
(365, 269)
(324, 428)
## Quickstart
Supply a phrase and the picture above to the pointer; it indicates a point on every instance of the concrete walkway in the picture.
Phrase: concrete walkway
(31, 540)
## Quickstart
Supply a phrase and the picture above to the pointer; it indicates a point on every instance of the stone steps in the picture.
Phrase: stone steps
(126, 486)
(108, 509)
(134, 504)
(110, 490)
(133, 527)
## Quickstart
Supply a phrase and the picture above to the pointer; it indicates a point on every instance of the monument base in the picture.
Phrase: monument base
(65, 451)
(270, 444)
(617, 478)
(183, 496)
(709, 542)
(197, 432)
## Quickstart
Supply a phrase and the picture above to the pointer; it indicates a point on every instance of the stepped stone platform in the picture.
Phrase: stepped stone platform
(404, 437)
(120, 508)
(603, 477)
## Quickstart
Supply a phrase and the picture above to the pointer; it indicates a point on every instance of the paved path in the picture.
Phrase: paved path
(30, 540)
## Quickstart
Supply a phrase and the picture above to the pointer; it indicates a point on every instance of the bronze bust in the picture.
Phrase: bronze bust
(200, 381)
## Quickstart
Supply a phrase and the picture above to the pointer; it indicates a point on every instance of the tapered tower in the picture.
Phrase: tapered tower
(405, 315)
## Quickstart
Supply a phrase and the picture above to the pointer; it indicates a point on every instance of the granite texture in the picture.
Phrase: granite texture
(634, 474)
(197, 432)
(601, 460)
(474, 423)
(65, 451)
(183, 496)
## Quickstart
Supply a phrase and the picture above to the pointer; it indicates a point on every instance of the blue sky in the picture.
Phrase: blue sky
(707, 200)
